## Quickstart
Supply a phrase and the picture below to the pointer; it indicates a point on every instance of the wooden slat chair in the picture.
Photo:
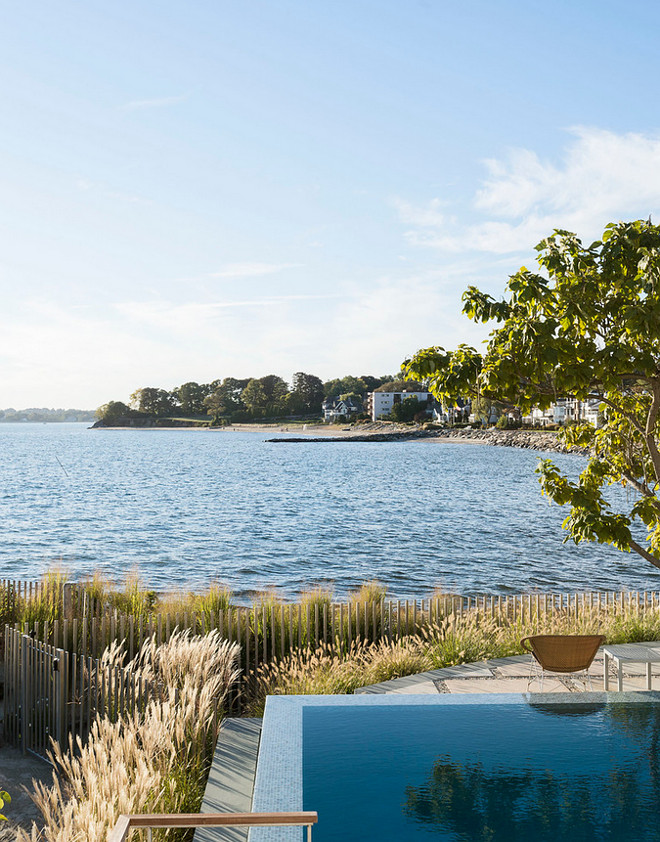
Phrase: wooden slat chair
(567, 656)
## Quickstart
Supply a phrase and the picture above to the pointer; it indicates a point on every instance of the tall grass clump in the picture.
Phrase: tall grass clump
(321, 597)
(335, 670)
(205, 606)
(368, 593)
(45, 605)
(154, 760)
(132, 598)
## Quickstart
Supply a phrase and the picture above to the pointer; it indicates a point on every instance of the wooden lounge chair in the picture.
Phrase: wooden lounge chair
(567, 656)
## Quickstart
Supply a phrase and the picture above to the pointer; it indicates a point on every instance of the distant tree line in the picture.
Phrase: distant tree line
(42, 414)
(235, 400)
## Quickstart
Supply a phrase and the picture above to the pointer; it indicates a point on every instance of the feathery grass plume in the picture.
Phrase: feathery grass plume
(333, 670)
(307, 672)
(386, 661)
(469, 638)
(156, 760)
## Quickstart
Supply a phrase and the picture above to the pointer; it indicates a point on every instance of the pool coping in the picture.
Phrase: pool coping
(231, 779)
(278, 785)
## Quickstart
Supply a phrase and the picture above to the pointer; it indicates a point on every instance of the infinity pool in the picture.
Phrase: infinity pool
(464, 769)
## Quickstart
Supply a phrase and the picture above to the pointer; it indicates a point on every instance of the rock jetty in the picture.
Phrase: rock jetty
(399, 435)
(542, 440)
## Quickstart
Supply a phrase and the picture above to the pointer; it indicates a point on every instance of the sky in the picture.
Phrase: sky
(211, 188)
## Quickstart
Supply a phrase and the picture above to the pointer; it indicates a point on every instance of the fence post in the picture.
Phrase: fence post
(23, 643)
(59, 691)
(67, 600)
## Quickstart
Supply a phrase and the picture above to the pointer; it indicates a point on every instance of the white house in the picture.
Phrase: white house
(567, 409)
(335, 408)
(380, 404)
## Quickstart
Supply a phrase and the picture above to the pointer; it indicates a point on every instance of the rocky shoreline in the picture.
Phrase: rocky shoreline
(527, 439)
(542, 440)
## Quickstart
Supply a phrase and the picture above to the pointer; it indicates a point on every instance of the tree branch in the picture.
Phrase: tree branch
(649, 432)
(644, 553)
(641, 487)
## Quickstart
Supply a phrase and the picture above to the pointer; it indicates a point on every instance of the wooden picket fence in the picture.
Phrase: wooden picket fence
(266, 632)
(55, 684)
(51, 693)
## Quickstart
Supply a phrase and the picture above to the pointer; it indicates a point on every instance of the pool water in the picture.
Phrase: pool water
(483, 773)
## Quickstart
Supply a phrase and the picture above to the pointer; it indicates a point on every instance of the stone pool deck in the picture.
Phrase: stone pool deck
(510, 675)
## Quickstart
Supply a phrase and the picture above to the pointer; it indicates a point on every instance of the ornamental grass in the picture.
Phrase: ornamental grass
(454, 639)
(155, 760)
(334, 669)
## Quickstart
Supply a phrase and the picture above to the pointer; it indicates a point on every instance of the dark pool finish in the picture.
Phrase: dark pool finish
(486, 773)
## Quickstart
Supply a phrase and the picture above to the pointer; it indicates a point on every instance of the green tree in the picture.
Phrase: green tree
(191, 397)
(153, 401)
(225, 397)
(407, 409)
(400, 386)
(112, 412)
(354, 397)
(307, 391)
(588, 327)
(372, 383)
(485, 409)
(343, 385)
(265, 396)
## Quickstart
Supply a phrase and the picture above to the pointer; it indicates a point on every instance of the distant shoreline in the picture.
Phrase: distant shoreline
(541, 440)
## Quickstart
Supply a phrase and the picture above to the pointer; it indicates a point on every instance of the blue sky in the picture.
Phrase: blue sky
(195, 190)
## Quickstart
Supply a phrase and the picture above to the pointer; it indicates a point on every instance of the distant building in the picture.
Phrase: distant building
(455, 414)
(336, 408)
(566, 410)
(380, 404)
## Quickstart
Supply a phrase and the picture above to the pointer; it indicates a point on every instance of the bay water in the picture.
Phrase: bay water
(189, 507)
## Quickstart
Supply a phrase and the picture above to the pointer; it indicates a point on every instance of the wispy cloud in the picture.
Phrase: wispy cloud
(247, 270)
(155, 102)
(191, 316)
(601, 177)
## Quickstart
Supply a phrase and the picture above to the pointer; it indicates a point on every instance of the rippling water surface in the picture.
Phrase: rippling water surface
(187, 507)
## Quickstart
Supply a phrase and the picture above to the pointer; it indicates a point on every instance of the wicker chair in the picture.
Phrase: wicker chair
(568, 656)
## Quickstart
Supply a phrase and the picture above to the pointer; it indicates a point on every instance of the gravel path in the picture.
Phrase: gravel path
(16, 775)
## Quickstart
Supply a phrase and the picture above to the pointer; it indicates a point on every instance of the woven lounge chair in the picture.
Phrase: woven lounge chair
(566, 656)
